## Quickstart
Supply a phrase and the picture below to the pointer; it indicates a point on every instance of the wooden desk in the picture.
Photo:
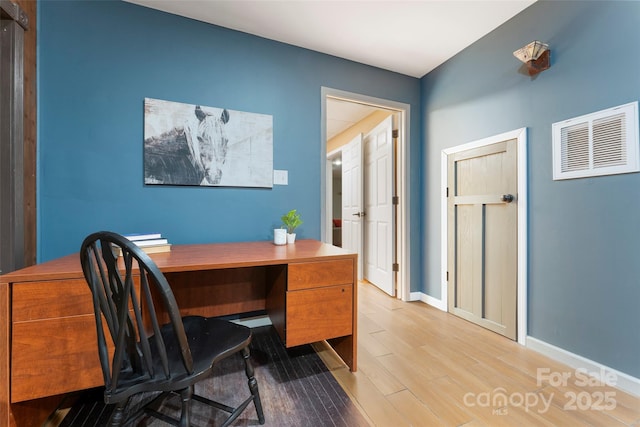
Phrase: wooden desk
(48, 343)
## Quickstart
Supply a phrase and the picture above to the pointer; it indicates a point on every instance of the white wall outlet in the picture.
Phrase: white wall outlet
(280, 177)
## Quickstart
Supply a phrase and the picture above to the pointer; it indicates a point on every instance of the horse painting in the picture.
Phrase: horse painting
(208, 144)
(189, 155)
(186, 144)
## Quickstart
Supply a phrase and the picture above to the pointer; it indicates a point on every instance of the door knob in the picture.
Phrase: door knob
(508, 198)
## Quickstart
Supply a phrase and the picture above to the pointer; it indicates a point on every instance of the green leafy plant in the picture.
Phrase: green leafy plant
(291, 220)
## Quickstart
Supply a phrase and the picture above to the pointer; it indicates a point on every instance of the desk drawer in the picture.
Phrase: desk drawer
(46, 300)
(54, 356)
(319, 314)
(54, 347)
(307, 275)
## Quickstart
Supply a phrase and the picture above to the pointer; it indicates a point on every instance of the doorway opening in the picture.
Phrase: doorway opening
(332, 161)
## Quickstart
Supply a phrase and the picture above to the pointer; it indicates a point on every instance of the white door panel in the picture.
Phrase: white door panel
(352, 197)
(378, 201)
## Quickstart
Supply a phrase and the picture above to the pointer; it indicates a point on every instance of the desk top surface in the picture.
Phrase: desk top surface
(194, 257)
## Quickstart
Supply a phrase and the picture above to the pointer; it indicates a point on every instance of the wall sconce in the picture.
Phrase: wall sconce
(535, 56)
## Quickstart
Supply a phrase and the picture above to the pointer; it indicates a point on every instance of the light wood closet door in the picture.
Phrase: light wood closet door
(482, 236)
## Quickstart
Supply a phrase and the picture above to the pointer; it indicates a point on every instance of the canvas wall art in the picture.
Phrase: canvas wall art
(187, 144)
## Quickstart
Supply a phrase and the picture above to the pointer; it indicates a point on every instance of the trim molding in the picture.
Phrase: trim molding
(428, 299)
(624, 382)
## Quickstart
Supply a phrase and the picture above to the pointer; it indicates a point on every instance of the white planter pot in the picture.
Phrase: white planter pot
(291, 237)
(279, 236)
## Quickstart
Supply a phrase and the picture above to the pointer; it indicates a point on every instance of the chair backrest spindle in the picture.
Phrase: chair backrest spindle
(127, 291)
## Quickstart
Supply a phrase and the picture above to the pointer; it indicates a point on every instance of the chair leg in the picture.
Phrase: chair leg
(253, 384)
(117, 417)
(185, 396)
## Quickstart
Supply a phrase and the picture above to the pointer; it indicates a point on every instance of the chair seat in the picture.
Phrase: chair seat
(210, 340)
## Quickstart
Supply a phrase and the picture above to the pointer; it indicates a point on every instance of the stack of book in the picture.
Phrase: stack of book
(151, 243)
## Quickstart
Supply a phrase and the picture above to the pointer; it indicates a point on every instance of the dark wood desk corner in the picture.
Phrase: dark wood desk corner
(47, 333)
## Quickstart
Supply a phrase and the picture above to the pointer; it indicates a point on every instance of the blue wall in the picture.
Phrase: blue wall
(97, 62)
(584, 234)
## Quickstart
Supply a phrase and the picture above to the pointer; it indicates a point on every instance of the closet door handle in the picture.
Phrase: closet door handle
(508, 198)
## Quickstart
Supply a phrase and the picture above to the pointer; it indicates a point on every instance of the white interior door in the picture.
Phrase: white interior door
(378, 201)
(352, 198)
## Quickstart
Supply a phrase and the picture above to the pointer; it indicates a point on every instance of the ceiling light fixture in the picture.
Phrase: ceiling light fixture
(535, 56)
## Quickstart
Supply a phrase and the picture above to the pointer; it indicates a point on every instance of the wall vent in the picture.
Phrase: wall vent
(601, 143)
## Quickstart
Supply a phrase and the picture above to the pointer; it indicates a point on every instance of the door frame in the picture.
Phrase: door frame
(402, 219)
(521, 136)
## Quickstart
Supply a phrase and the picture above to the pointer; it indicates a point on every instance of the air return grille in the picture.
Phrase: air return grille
(601, 143)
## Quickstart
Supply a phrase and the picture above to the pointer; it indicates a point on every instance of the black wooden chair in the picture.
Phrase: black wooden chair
(148, 356)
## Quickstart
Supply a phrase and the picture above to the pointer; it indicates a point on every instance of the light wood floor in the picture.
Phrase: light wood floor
(419, 366)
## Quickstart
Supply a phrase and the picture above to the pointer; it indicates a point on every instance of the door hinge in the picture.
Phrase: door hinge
(394, 133)
(396, 266)
(447, 276)
(447, 191)
(395, 200)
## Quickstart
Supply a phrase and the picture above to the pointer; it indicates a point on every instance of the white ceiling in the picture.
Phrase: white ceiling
(410, 37)
(341, 115)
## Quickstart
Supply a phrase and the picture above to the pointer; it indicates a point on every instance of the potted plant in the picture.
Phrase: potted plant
(291, 220)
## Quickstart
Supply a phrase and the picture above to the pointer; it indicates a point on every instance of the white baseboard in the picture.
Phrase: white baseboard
(434, 302)
(415, 296)
(623, 381)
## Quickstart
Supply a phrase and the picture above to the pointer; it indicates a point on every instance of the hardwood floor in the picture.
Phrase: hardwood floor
(295, 386)
(419, 366)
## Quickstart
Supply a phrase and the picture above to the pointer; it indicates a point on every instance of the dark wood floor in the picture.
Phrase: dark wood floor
(296, 389)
